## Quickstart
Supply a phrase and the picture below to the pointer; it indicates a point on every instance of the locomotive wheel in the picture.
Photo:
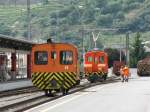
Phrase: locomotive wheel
(105, 77)
(93, 78)
(49, 93)
(78, 82)
(92, 81)
(65, 91)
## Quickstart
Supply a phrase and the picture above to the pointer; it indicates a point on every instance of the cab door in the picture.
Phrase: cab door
(95, 62)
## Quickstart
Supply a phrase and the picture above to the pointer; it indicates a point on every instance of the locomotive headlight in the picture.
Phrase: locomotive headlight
(53, 83)
(101, 65)
(87, 65)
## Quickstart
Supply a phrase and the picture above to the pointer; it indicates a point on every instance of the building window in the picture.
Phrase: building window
(66, 57)
(53, 55)
(89, 59)
(101, 59)
(41, 57)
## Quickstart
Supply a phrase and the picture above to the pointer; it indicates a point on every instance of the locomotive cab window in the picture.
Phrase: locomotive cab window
(53, 55)
(41, 57)
(66, 57)
(89, 59)
(101, 59)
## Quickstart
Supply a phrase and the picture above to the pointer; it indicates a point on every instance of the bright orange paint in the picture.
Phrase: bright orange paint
(54, 65)
(126, 71)
(95, 61)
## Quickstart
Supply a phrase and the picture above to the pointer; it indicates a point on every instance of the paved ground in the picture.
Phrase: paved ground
(133, 96)
(15, 84)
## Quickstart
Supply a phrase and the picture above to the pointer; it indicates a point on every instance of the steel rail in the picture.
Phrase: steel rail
(33, 102)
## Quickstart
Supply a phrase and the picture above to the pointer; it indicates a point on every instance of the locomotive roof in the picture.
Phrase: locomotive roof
(56, 43)
(96, 51)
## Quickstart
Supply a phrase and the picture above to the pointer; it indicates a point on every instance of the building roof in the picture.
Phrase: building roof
(17, 44)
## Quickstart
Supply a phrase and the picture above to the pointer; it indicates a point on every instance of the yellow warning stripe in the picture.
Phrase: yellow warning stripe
(47, 81)
(38, 77)
(48, 76)
(34, 75)
(68, 78)
(63, 79)
(40, 81)
(54, 77)
(97, 73)
(73, 76)
(70, 75)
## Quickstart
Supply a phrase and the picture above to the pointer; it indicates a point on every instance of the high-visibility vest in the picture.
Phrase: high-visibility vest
(126, 71)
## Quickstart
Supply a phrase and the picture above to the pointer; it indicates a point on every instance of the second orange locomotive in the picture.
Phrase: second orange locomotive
(95, 65)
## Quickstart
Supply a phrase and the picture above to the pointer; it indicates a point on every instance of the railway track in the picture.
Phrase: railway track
(33, 102)
(18, 91)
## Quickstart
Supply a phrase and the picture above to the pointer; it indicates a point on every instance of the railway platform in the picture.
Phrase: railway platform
(16, 84)
(22, 83)
(132, 96)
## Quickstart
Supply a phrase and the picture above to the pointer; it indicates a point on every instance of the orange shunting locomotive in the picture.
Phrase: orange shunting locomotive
(54, 67)
(95, 65)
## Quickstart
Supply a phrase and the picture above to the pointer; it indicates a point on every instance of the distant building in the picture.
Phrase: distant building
(147, 49)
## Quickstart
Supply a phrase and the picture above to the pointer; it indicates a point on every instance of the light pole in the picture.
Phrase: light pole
(29, 20)
(57, 27)
(82, 34)
(81, 7)
(127, 49)
(120, 49)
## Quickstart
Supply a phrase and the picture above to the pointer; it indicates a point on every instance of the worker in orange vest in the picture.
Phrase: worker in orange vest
(125, 73)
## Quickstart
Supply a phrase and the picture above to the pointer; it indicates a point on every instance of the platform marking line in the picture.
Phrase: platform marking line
(59, 104)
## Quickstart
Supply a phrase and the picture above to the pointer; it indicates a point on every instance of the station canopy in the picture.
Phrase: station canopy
(17, 44)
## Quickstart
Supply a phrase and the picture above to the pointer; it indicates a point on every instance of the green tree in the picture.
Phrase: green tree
(73, 17)
(113, 7)
(100, 3)
(45, 2)
(137, 51)
(104, 20)
(88, 14)
(4, 29)
(120, 15)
